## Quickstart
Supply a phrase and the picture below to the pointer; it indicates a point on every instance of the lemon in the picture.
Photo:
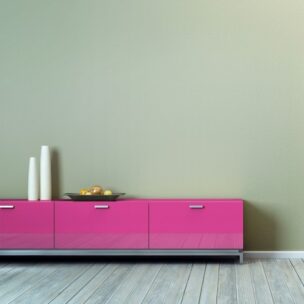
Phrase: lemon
(96, 190)
(83, 191)
(107, 192)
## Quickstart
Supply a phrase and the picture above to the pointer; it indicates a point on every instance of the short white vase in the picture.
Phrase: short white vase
(33, 184)
(45, 174)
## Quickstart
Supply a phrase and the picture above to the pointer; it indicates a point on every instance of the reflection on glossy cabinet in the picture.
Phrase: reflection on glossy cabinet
(165, 224)
(101, 225)
(196, 224)
(26, 225)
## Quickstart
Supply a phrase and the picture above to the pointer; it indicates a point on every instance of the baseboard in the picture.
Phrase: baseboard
(274, 254)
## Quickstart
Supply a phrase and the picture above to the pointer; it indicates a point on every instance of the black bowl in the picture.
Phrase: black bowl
(85, 198)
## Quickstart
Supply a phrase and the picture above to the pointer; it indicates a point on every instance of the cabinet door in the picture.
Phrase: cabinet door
(101, 225)
(26, 225)
(196, 224)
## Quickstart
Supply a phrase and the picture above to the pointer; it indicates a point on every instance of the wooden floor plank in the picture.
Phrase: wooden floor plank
(136, 285)
(292, 280)
(260, 285)
(24, 281)
(3, 265)
(256, 281)
(277, 283)
(194, 285)
(298, 265)
(11, 271)
(210, 284)
(103, 293)
(227, 284)
(68, 293)
(244, 286)
(168, 287)
(49, 287)
(84, 293)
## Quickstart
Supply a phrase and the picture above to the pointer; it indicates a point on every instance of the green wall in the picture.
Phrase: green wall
(161, 98)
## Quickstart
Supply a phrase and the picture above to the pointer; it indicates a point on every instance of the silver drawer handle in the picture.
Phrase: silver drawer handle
(101, 206)
(7, 206)
(196, 206)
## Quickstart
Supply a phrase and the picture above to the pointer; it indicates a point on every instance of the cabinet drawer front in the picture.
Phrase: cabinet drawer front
(195, 224)
(101, 225)
(26, 225)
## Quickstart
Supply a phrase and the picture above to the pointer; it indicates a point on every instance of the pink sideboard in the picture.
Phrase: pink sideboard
(26, 225)
(196, 224)
(101, 225)
(139, 224)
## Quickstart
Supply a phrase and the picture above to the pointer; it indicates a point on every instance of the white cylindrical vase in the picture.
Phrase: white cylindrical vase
(33, 184)
(45, 174)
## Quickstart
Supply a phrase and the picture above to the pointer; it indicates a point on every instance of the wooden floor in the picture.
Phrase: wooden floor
(256, 281)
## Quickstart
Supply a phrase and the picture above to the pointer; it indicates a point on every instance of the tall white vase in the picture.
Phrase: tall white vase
(33, 184)
(45, 174)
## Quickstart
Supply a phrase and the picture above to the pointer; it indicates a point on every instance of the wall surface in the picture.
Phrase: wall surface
(163, 98)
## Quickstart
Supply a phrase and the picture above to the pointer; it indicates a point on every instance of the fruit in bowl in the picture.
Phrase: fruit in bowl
(83, 191)
(94, 193)
(95, 190)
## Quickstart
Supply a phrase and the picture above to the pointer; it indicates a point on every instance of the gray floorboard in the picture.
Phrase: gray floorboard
(85, 293)
(104, 292)
(210, 284)
(256, 281)
(136, 285)
(295, 287)
(24, 281)
(244, 286)
(277, 283)
(260, 284)
(68, 293)
(298, 265)
(49, 287)
(227, 284)
(168, 287)
(194, 285)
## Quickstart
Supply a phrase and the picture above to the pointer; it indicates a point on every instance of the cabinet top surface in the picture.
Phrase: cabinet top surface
(150, 200)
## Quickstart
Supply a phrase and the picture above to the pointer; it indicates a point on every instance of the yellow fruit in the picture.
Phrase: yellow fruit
(96, 190)
(88, 193)
(83, 191)
(107, 192)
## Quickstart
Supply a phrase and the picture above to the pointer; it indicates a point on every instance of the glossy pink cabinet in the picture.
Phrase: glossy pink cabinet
(26, 225)
(125, 224)
(101, 225)
(196, 224)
